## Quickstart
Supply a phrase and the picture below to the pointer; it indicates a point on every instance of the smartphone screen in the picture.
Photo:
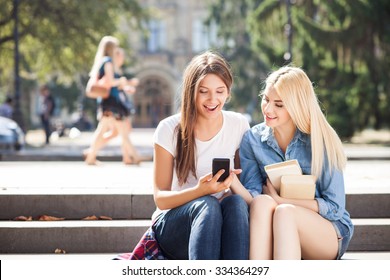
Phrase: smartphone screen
(221, 163)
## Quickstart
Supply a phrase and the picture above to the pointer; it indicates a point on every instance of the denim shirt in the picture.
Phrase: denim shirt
(259, 148)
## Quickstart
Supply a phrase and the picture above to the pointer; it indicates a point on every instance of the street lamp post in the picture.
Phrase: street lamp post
(289, 32)
(17, 113)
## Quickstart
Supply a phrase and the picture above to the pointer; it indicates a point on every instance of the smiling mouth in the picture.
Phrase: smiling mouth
(211, 108)
(270, 118)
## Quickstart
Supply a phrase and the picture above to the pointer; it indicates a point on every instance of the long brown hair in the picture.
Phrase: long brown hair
(201, 65)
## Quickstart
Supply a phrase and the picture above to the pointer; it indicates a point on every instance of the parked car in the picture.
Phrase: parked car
(12, 136)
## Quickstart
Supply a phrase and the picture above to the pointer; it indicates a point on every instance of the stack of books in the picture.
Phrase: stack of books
(289, 181)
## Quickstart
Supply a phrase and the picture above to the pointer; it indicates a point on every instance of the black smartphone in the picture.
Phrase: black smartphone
(221, 163)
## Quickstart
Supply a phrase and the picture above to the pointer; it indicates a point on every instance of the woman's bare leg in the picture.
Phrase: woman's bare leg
(99, 139)
(132, 151)
(129, 153)
(261, 240)
(302, 233)
(110, 132)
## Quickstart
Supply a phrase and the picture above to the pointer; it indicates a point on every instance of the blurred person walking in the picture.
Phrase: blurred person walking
(46, 110)
(130, 154)
(111, 113)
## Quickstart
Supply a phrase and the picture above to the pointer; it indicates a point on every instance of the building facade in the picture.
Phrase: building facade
(176, 32)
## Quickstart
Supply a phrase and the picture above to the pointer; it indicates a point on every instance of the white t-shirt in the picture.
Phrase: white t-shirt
(222, 145)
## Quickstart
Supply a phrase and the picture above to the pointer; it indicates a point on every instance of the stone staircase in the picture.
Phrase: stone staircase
(79, 191)
(130, 215)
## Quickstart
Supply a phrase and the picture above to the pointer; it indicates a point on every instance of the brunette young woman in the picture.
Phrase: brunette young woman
(198, 217)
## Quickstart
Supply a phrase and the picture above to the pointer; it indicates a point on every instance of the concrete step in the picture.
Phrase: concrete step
(77, 206)
(141, 206)
(366, 255)
(40, 237)
(368, 205)
(360, 255)
(371, 235)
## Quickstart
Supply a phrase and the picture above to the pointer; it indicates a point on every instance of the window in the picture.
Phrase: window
(157, 35)
(203, 36)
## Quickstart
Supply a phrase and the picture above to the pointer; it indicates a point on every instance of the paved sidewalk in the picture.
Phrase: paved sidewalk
(116, 178)
(74, 144)
(367, 170)
(70, 148)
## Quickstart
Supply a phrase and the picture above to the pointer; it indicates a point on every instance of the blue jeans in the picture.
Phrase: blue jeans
(205, 229)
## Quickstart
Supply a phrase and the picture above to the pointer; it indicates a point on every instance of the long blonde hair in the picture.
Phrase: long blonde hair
(106, 47)
(297, 93)
(201, 65)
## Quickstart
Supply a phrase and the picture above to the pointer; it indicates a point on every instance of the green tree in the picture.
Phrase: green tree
(342, 44)
(235, 44)
(58, 39)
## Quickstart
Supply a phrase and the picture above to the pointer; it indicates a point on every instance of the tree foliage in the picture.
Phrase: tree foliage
(342, 44)
(58, 39)
(235, 44)
(61, 35)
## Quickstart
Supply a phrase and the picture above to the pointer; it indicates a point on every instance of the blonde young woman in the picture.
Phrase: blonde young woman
(112, 116)
(198, 217)
(120, 126)
(295, 128)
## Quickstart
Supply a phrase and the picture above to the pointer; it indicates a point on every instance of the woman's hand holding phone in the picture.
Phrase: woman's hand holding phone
(209, 184)
(220, 179)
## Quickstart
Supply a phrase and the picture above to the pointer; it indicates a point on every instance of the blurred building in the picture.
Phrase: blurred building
(176, 34)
